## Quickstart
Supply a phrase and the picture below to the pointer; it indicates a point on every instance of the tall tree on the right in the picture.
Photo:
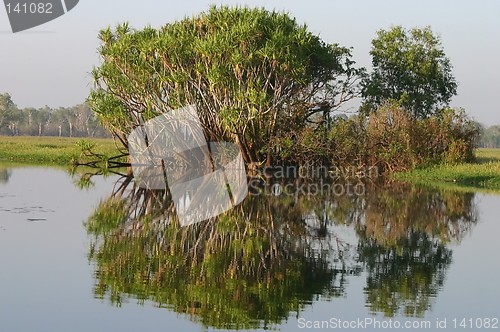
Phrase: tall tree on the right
(411, 68)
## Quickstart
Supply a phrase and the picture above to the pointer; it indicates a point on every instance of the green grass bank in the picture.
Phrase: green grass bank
(483, 175)
(48, 150)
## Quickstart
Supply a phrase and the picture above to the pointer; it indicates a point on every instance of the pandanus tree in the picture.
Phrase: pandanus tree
(252, 74)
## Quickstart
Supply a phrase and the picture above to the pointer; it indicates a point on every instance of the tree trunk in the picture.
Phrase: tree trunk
(269, 158)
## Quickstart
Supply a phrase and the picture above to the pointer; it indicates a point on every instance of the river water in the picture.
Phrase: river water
(109, 258)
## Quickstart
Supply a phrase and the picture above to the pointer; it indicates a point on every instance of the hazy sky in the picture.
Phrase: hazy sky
(50, 64)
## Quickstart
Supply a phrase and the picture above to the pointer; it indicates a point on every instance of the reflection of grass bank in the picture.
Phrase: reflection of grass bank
(484, 174)
(48, 150)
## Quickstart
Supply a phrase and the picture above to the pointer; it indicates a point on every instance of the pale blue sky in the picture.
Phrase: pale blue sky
(50, 64)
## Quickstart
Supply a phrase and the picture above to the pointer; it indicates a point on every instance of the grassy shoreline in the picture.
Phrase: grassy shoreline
(57, 151)
(483, 175)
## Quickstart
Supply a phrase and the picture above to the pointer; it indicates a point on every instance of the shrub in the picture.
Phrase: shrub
(389, 138)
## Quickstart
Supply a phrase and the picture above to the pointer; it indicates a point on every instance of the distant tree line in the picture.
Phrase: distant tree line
(490, 137)
(76, 121)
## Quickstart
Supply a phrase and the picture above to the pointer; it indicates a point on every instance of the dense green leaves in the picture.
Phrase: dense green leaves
(410, 67)
(253, 75)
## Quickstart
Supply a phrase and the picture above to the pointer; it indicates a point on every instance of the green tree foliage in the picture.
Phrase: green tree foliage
(410, 67)
(253, 75)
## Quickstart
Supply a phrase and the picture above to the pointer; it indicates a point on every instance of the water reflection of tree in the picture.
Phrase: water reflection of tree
(5, 174)
(256, 264)
(249, 268)
(403, 244)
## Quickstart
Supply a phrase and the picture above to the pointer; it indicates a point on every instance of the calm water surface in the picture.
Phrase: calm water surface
(109, 258)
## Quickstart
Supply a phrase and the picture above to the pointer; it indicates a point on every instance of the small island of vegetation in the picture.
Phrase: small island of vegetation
(266, 83)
